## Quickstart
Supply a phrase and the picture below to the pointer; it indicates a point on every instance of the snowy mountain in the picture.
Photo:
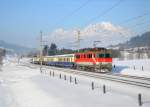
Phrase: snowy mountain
(137, 47)
(103, 31)
(12, 48)
(137, 41)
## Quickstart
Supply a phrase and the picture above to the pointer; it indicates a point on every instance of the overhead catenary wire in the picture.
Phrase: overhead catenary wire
(139, 24)
(104, 12)
(134, 26)
(125, 21)
(128, 20)
(124, 33)
(135, 18)
(73, 12)
(147, 26)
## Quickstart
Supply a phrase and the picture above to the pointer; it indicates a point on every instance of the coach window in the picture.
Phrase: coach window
(67, 59)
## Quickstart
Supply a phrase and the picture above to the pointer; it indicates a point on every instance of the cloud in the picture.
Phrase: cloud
(105, 32)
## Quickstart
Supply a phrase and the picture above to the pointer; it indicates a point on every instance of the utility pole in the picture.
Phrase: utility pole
(41, 46)
(95, 43)
(78, 40)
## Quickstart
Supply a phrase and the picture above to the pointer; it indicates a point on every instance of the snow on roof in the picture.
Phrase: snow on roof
(64, 55)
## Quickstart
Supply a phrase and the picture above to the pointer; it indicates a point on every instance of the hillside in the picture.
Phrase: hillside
(140, 41)
(12, 48)
(137, 41)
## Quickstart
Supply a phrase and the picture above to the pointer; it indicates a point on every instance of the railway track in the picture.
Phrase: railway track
(132, 80)
(122, 79)
(126, 79)
(130, 76)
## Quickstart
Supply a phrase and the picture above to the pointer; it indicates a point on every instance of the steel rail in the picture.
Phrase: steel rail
(123, 79)
(132, 80)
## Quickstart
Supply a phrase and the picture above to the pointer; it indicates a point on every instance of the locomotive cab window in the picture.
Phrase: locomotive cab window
(84, 56)
(100, 55)
(107, 55)
(94, 55)
(89, 55)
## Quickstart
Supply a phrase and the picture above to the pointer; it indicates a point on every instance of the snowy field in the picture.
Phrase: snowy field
(133, 67)
(24, 86)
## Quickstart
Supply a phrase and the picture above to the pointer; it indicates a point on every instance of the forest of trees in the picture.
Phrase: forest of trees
(142, 40)
(53, 50)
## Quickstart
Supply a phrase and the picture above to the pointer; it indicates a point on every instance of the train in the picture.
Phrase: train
(93, 59)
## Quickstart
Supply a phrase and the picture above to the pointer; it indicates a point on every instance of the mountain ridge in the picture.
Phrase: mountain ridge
(14, 48)
(142, 40)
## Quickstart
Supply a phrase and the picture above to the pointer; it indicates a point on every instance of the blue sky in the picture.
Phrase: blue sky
(22, 20)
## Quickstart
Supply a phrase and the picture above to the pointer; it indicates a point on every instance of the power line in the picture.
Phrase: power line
(105, 11)
(135, 18)
(121, 33)
(73, 12)
(132, 19)
(138, 27)
(69, 15)
(128, 20)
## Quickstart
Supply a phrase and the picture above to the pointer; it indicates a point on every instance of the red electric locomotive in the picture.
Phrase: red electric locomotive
(95, 59)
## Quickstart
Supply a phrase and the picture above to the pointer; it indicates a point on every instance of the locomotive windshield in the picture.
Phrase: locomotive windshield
(100, 55)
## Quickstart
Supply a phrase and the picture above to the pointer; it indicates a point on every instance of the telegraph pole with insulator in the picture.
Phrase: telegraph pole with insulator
(78, 40)
(41, 48)
(95, 43)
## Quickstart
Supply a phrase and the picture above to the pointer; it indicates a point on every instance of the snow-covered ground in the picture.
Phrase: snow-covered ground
(133, 67)
(23, 86)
